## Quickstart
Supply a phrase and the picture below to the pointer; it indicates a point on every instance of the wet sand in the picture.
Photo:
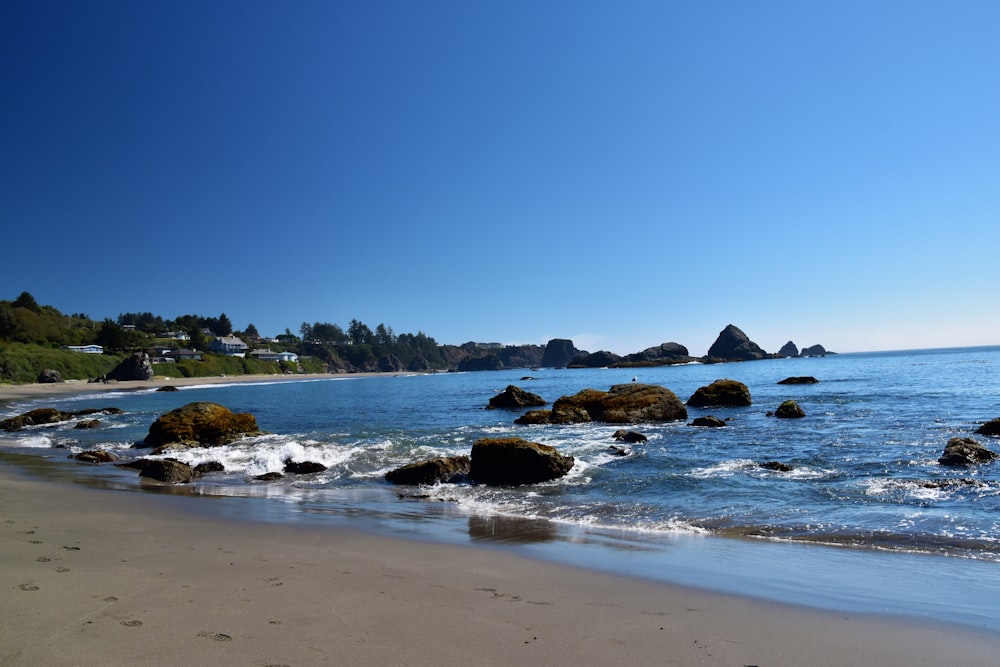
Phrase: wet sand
(98, 577)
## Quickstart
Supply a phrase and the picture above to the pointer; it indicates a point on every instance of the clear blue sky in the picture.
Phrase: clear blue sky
(619, 173)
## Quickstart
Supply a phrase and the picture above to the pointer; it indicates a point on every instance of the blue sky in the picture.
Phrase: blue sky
(619, 173)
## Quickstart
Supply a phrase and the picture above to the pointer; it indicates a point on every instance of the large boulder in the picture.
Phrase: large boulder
(162, 470)
(622, 404)
(991, 427)
(45, 416)
(515, 397)
(208, 424)
(734, 345)
(441, 470)
(49, 376)
(137, 366)
(799, 379)
(513, 462)
(965, 452)
(709, 421)
(721, 392)
(558, 353)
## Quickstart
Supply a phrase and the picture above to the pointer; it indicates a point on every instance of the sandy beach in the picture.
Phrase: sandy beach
(11, 392)
(98, 577)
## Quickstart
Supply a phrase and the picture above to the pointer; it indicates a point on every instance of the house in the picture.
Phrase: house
(175, 335)
(89, 349)
(268, 355)
(228, 345)
(181, 355)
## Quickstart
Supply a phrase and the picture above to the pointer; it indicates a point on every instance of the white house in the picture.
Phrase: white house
(268, 355)
(89, 349)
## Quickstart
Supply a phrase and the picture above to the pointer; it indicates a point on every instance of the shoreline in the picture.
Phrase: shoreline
(16, 392)
(95, 577)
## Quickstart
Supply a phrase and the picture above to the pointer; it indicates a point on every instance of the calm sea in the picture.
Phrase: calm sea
(866, 519)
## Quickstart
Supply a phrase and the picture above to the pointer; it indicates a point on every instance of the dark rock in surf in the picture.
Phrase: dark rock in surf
(168, 387)
(800, 379)
(162, 470)
(711, 421)
(88, 424)
(269, 477)
(622, 404)
(441, 470)
(721, 393)
(966, 452)
(991, 427)
(514, 397)
(96, 456)
(515, 462)
(209, 466)
(789, 410)
(303, 467)
(629, 436)
(776, 466)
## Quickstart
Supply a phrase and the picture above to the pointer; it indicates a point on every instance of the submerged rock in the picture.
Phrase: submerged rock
(441, 470)
(711, 421)
(719, 393)
(515, 397)
(96, 456)
(799, 379)
(303, 467)
(776, 466)
(208, 424)
(514, 462)
(966, 452)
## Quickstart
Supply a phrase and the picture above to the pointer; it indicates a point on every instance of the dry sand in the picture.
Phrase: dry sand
(98, 577)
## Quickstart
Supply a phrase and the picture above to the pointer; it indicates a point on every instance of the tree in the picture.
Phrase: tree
(359, 332)
(223, 327)
(197, 337)
(25, 300)
(113, 337)
(252, 331)
(384, 335)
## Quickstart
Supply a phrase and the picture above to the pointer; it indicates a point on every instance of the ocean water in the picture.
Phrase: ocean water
(866, 519)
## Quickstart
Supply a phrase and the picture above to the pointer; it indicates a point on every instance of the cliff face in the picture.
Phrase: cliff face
(558, 353)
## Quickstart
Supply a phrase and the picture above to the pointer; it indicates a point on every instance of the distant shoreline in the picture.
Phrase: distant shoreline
(15, 392)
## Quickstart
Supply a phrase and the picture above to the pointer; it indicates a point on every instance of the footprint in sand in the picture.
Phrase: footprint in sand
(43, 559)
(132, 624)
(217, 636)
(35, 541)
(62, 569)
(28, 587)
(110, 598)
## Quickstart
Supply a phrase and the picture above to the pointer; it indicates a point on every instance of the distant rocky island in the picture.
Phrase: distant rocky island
(732, 344)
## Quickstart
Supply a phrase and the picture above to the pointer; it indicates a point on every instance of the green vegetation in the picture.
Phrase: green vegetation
(32, 335)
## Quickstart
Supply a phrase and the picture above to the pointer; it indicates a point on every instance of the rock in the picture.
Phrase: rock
(789, 410)
(209, 466)
(533, 417)
(629, 436)
(269, 477)
(615, 450)
(44, 416)
(788, 350)
(558, 353)
(96, 456)
(209, 424)
(49, 376)
(137, 366)
(88, 423)
(515, 397)
(513, 462)
(441, 470)
(600, 359)
(168, 387)
(389, 363)
(622, 404)
(800, 379)
(710, 421)
(776, 466)
(814, 351)
(734, 345)
(303, 467)
(163, 470)
(418, 364)
(660, 355)
(721, 392)
(991, 427)
(965, 452)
